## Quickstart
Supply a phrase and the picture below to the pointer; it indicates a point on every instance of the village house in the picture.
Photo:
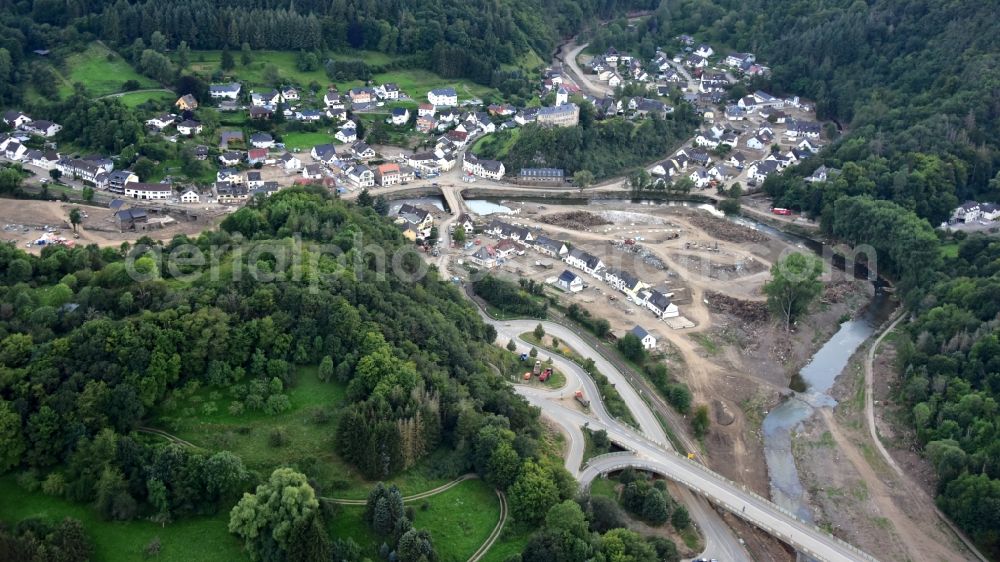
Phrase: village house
(569, 282)
(483, 258)
(502, 230)
(551, 247)
(118, 179)
(360, 176)
(161, 122)
(333, 100)
(190, 196)
(442, 97)
(15, 119)
(481, 167)
(137, 190)
(388, 91)
(346, 135)
(261, 140)
(587, 262)
(660, 305)
(42, 128)
(189, 128)
(624, 282)
(45, 159)
(387, 174)
(420, 221)
(400, 116)
(648, 340)
(186, 103)
(84, 170)
(308, 115)
(362, 151)
(260, 112)
(821, 174)
(312, 172)
(361, 96)
(989, 211)
(289, 162)
(254, 179)
(507, 248)
(225, 91)
(265, 99)
(229, 193)
(257, 156)
(425, 124)
(465, 221)
(289, 93)
(14, 150)
(230, 158)
(967, 212)
(704, 50)
(229, 175)
(323, 153)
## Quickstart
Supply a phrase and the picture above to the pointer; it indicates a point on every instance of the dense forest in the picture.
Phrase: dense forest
(93, 340)
(452, 38)
(604, 148)
(916, 87)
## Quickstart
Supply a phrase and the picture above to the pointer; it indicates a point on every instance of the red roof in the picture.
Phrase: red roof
(257, 153)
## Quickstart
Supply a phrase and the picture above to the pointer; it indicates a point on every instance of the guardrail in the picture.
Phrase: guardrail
(767, 504)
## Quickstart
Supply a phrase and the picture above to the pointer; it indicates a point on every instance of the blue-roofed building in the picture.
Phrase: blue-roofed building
(569, 282)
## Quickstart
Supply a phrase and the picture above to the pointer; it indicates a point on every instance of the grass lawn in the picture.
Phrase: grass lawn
(100, 75)
(192, 539)
(459, 520)
(511, 542)
(417, 82)
(305, 140)
(503, 143)
(138, 98)
(604, 487)
(310, 443)
(949, 250)
(207, 62)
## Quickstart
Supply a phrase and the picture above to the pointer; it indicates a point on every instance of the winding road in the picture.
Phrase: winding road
(650, 450)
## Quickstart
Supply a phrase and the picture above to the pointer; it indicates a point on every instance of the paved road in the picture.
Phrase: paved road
(651, 454)
(568, 54)
(559, 406)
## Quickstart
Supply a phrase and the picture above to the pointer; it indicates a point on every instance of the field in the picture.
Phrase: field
(98, 74)
(193, 539)
(134, 99)
(309, 438)
(306, 140)
(508, 141)
(458, 519)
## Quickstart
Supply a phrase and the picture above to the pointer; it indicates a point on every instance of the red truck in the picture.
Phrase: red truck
(582, 399)
(781, 211)
(545, 375)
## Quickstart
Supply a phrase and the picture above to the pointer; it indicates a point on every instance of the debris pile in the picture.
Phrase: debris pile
(748, 311)
(648, 257)
(575, 219)
(725, 230)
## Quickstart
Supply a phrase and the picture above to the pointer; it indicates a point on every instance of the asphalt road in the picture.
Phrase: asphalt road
(559, 406)
(651, 451)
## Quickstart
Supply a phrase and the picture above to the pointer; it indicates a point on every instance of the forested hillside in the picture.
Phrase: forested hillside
(93, 343)
(451, 37)
(916, 86)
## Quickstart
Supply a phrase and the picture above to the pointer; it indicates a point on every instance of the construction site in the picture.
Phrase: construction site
(34, 225)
